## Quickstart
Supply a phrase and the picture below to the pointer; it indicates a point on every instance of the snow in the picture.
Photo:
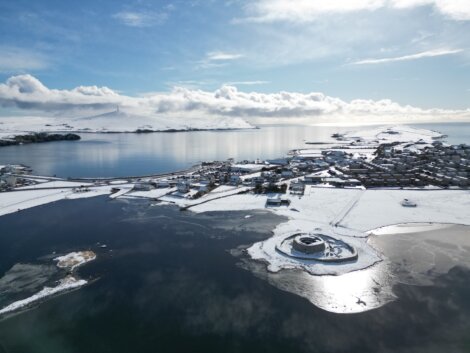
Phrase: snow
(75, 259)
(92, 192)
(65, 284)
(401, 133)
(115, 121)
(14, 201)
(409, 228)
(19, 200)
(347, 214)
(55, 184)
(151, 194)
(233, 203)
(209, 197)
(266, 251)
(378, 208)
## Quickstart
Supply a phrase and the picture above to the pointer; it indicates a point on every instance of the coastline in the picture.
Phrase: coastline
(347, 214)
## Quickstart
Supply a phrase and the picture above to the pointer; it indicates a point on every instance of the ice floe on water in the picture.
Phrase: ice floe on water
(68, 283)
(24, 278)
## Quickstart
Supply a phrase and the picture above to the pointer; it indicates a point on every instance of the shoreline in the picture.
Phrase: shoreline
(348, 214)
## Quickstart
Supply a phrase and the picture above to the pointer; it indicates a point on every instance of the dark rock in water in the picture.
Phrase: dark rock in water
(38, 137)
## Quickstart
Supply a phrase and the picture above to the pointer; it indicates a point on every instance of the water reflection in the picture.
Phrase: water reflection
(414, 254)
(418, 253)
(138, 154)
(353, 292)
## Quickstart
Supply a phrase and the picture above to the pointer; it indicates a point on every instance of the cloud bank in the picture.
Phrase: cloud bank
(28, 93)
(308, 10)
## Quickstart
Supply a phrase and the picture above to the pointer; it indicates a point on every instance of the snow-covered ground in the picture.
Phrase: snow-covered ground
(182, 201)
(69, 262)
(151, 194)
(347, 214)
(75, 259)
(266, 251)
(401, 133)
(68, 283)
(115, 121)
(14, 201)
(378, 208)
(55, 184)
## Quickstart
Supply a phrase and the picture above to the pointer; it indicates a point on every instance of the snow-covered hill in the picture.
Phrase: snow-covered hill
(117, 121)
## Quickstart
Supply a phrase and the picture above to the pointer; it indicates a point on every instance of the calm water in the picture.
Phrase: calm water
(172, 281)
(133, 154)
(167, 283)
(138, 154)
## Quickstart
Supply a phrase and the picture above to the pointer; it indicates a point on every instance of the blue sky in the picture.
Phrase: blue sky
(413, 52)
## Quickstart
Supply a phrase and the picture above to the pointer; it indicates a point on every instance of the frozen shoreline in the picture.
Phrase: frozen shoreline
(68, 262)
(347, 213)
(66, 284)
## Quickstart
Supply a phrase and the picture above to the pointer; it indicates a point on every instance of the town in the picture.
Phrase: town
(352, 163)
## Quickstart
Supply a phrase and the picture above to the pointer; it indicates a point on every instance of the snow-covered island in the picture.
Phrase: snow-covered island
(70, 282)
(336, 195)
(75, 259)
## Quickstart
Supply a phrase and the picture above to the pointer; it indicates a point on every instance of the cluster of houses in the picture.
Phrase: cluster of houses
(394, 165)
(437, 165)
(10, 176)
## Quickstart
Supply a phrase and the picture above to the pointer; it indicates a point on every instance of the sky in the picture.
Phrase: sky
(268, 58)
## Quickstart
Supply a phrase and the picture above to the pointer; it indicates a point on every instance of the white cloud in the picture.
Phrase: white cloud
(216, 59)
(426, 54)
(141, 19)
(308, 10)
(27, 92)
(247, 83)
(222, 56)
(13, 59)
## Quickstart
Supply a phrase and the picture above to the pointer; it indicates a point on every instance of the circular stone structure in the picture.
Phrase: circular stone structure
(308, 243)
(315, 247)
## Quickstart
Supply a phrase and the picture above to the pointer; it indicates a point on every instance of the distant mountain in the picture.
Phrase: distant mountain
(122, 121)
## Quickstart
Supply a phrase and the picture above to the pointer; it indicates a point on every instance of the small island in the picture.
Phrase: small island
(37, 137)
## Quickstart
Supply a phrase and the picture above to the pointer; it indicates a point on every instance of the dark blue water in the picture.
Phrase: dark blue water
(166, 283)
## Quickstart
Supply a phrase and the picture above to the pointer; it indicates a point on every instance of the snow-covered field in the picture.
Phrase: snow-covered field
(378, 208)
(401, 133)
(14, 201)
(347, 214)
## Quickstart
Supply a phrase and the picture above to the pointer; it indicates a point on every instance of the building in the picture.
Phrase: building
(183, 186)
(143, 186)
(9, 180)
